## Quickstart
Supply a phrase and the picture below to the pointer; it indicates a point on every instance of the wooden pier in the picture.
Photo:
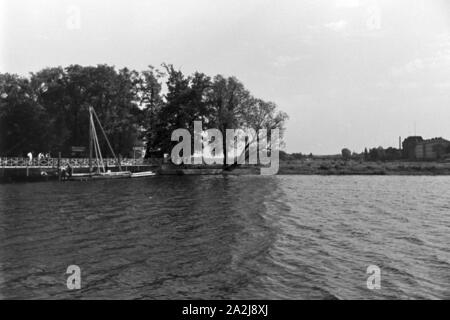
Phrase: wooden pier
(52, 163)
(22, 169)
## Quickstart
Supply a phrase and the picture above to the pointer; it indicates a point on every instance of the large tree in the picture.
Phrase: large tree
(23, 121)
(49, 110)
(184, 102)
(66, 95)
(235, 108)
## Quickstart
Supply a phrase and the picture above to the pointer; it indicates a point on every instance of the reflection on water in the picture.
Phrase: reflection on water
(200, 237)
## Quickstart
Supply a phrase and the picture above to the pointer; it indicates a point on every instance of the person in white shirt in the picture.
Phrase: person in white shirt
(30, 157)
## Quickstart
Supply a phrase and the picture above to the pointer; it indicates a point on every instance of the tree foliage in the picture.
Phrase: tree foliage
(346, 154)
(48, 111)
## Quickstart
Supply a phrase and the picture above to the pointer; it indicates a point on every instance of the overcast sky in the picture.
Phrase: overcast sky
(350, 73)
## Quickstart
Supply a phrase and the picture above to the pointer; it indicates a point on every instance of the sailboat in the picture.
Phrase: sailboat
(94, 147)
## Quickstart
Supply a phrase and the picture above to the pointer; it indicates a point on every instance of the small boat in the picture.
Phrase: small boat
(142, 174)
(112, 175)
(101, 175)
(101, 172)
(80, 176)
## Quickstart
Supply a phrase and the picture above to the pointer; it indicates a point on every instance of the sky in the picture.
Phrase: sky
(349, 73)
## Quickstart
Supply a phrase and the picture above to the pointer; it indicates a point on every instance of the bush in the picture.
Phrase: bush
(346, 154)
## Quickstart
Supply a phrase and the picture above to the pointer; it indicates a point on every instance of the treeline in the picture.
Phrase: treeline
(48, 111)
(372, 154)
(381, 154)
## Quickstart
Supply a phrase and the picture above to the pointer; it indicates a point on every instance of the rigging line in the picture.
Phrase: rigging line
(97, 162)
(98, 146)
(99, 152)
(91, 142)
(104, 134)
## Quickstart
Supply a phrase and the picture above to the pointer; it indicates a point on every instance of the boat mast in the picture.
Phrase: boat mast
(96, 145)
(107, 141)
(90, 140)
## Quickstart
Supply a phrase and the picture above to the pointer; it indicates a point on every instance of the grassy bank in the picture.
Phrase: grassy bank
(352, 167)
(301, 167)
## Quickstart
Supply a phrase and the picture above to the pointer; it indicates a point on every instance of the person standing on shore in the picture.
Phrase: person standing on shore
(30, 157)
(69, 170)
(63, 174)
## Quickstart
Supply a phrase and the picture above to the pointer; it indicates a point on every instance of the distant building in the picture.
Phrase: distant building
(431, 149)
(409, 147)
(139, 149)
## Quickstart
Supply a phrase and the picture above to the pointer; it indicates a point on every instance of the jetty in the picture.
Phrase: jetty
(45, 163)
(24, 169)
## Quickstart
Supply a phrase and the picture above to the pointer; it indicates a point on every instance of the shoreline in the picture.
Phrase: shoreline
(353, 167)
(320, 167)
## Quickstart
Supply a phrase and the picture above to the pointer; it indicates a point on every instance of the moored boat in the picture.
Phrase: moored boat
(142, 174)
(94, 147)
(112, 175)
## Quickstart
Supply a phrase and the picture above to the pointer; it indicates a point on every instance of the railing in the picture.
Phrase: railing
(10, 162)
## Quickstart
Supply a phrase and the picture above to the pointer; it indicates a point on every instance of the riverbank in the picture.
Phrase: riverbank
(8, 175)
(291, 167)
(352, 167)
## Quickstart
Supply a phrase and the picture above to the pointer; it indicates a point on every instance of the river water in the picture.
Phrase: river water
(234, 237)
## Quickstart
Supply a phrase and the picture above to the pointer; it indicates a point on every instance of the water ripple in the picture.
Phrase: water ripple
(214, 237)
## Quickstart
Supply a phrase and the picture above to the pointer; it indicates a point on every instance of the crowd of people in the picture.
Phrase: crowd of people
(40, 156)
(66, 172)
